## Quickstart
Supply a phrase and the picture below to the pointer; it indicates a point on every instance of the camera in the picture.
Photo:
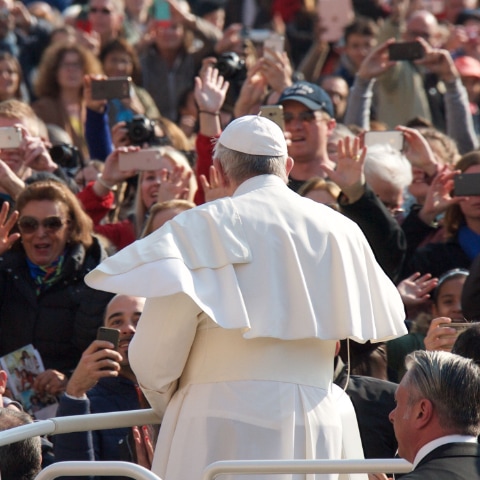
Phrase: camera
(65, 155)
(141, 130)
(231, 67)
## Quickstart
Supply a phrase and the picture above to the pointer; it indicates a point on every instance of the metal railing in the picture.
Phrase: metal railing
(245, 467)
(100, 421)
(76, 469)
(79, 423)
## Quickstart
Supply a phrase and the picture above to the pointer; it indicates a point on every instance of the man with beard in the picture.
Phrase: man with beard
(102, 382)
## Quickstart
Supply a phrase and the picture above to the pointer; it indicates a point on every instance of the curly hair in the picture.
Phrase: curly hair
(81, 225)
(46, 84)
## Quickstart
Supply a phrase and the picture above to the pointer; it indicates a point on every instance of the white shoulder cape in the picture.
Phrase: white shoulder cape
(205, 253)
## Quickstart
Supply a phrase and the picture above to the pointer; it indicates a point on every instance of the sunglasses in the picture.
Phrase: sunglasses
(305, 116)
(31, 224)
(105, 11)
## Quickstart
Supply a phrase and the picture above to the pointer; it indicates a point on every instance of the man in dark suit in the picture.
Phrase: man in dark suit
(437, 417)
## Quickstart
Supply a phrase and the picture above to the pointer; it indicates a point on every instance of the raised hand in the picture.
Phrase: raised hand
(376, 62)
(348, 174)
(98, 360)
(418, 150)
(174, 184)
(214, 187)
(416, 289)
(7, 239)
(210, 90)
(439, 196)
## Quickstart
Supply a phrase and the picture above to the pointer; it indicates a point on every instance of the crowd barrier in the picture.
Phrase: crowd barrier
(100, 421)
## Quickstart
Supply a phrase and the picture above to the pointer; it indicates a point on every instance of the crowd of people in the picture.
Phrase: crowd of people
(317, 244)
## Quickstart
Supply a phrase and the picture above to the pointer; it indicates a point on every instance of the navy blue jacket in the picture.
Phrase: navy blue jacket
(109, 395)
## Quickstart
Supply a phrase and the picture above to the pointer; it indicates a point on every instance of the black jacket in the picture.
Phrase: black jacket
(453, 461)
(62, 321)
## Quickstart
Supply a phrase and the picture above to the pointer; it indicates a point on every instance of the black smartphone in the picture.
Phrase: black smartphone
(111, 335)
(406, 51)
(110, 88)
(466, 184)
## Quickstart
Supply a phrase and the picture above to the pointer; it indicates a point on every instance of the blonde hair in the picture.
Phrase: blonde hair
(175, 204)
(178, 159)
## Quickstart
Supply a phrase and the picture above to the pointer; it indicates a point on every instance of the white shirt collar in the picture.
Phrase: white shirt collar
(430, 446)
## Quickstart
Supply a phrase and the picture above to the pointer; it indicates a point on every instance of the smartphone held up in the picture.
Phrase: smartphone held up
(110, 88)
(10, 137)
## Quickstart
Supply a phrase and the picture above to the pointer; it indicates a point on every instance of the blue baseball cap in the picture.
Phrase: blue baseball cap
(310, 95)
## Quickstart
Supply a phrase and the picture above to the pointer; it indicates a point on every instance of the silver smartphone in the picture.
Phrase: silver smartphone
(274, 113)
(394, 138)
(10, 137)
(146, 159)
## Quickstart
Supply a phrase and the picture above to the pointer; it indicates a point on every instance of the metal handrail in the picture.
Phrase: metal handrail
(244, 467)
(79, 423)
(105, 469)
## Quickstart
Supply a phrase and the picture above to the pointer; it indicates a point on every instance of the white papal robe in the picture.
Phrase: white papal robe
(246, 297)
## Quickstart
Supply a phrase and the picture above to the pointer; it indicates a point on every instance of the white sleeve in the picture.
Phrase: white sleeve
(161, 345)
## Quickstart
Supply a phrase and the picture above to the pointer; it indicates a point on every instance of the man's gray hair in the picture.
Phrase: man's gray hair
(389, 165)
(20, 460)
(451, 383)
(239, 166)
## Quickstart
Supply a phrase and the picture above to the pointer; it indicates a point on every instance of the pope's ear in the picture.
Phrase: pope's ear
(289, 165)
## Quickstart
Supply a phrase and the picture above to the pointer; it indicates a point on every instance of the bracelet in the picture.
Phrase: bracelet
(215, 114)
(103, 183)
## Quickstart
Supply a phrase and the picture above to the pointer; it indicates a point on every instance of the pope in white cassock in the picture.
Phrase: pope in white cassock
(246, 298)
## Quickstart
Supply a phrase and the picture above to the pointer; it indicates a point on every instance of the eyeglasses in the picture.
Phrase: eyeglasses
(104, 11)
(305, 116)
(29, 225)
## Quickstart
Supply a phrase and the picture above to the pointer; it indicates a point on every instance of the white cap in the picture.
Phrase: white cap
(254, 135)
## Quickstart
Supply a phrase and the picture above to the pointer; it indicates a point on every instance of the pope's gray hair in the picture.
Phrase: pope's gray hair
(451, 383)
(239, 166)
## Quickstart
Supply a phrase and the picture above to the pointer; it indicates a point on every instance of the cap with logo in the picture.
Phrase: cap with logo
(310, 95)
(254, 135)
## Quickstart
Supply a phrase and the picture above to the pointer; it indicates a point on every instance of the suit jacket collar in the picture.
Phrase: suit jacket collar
(455, 449)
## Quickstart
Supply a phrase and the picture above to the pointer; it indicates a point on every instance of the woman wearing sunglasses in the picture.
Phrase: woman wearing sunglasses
(43, 298)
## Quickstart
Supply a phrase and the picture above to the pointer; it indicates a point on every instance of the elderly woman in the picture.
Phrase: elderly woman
(59, 88)
(43, 298)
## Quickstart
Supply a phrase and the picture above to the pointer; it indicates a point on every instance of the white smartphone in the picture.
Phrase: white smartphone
(274, 42)
(146, 159)
(394, 138)
(10, 137)
(334, 16)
